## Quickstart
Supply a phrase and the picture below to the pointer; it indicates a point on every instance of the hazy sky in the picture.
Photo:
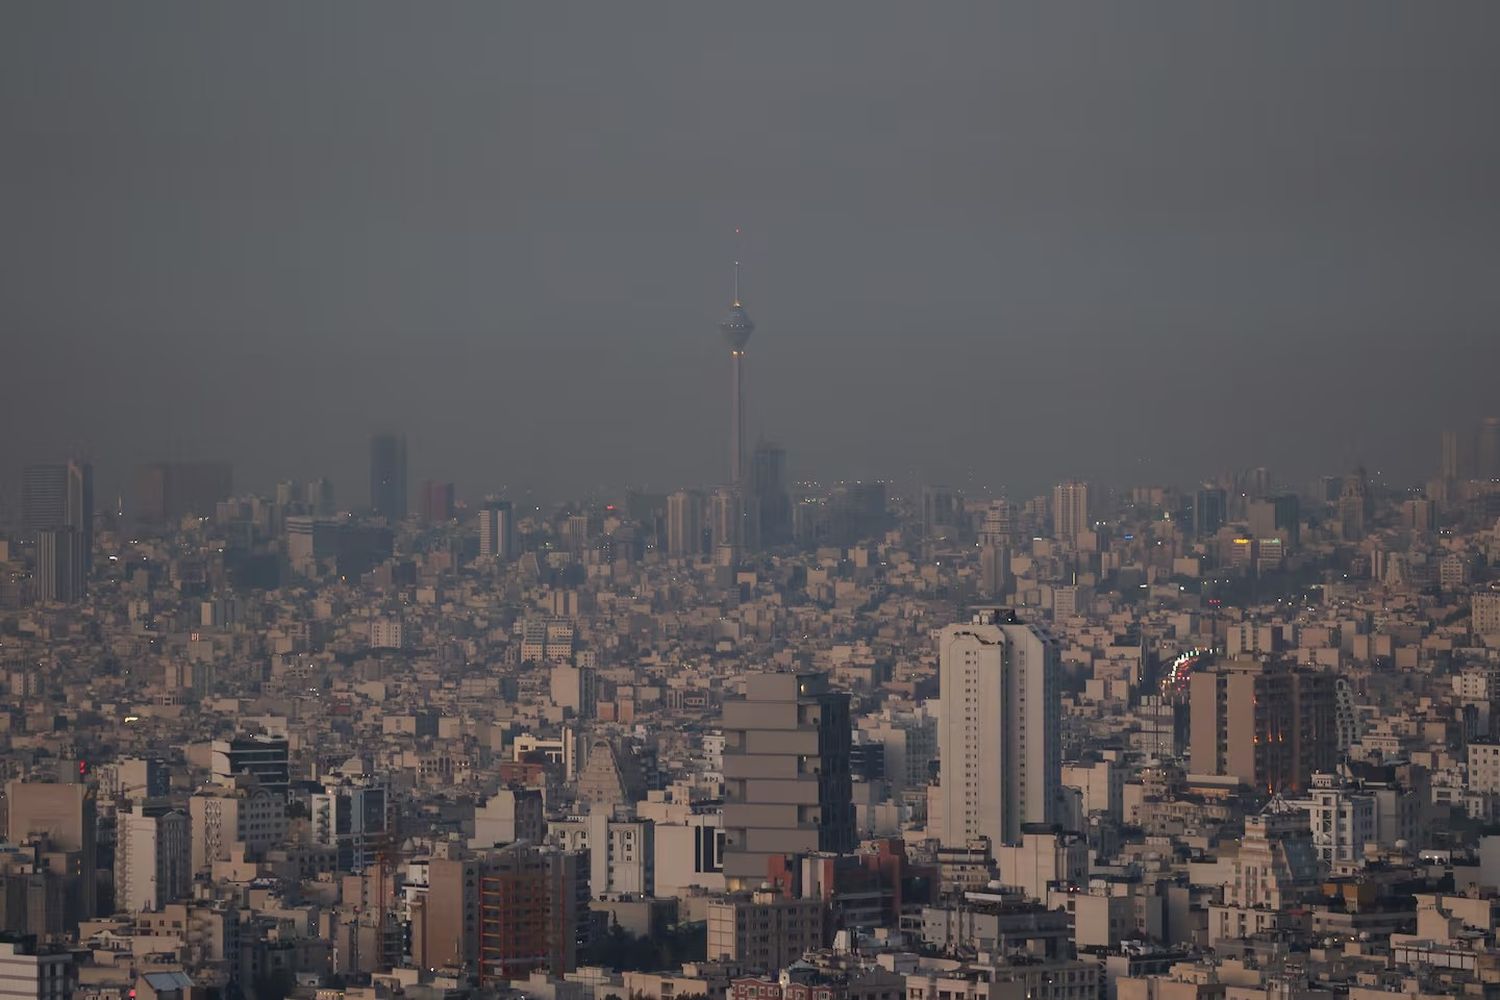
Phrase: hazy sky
(984, 243)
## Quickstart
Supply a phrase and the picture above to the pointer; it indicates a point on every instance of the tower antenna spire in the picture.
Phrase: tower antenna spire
(736, 282)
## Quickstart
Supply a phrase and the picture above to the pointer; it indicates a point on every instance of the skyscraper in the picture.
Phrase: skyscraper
(685, 524)
(388, 475)
(736, 329)
(59, 565)
(768, 487)
(1210, 511)
(1453, 465)
(999, 737)
(167, 491)
(1487, 449)
(61, 496)
(1070, 509)
(497, 530)
(437, 501)
(787, 784)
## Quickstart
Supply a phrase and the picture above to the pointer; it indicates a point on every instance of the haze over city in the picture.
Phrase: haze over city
(749, 502)
(988, 246)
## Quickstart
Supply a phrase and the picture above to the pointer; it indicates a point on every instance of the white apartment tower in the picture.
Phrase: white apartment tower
(1070, 509)
(999, 737)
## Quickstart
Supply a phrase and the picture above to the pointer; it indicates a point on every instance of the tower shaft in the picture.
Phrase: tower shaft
(736, 417)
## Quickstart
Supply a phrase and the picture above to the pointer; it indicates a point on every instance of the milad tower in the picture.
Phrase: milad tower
(737, 328)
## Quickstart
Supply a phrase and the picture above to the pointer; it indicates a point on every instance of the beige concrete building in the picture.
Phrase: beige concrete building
(787, 786)
(763, 931)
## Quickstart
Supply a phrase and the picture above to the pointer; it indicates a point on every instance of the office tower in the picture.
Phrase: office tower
(1070, 510)
(857, 512)
(685, 524)
(999, 525)
(1210, 511)
(388, 475)
(999, 735)
(1454, 464)
(942, 513)
(61, 496)
(768, 487)
(1354, 506)
(787, 786)
(736, 329)
(1487, 449)
(169, 491)
(507, 911)
(320, 497)
(437, 502)
(1269, 724)
(726, 521)
(59, 566)
(994, 571)
(153, 857)
(497, 530)
(1274, 517)
(265, 757)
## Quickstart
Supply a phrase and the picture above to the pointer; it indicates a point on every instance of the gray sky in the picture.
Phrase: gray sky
(988, 244)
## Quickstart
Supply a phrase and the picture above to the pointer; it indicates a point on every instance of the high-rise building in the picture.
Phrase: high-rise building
(497, 530)
(61, 496)
(1354, 506)
(1454, 461)
(685, 524)
(787, 784)
(437, 502)
(1000, 731)
(506, 912)
(1487, 449)
(153, 857)
(736, 329)
(1070, 510)
(1276, 517)
(768, 487)
(388, 475)
(168, 491)
(942, 513)
(320, 497)
(59, 566)
(1210, 511)
(1269, 724)
(726, 521)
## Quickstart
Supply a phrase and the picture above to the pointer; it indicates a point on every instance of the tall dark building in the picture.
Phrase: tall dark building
(1487, 449)
(59, 565)
(167, 491)
(388, 475)
(61, 496)
(1210, 511)
(437, 501)
(768, 487)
